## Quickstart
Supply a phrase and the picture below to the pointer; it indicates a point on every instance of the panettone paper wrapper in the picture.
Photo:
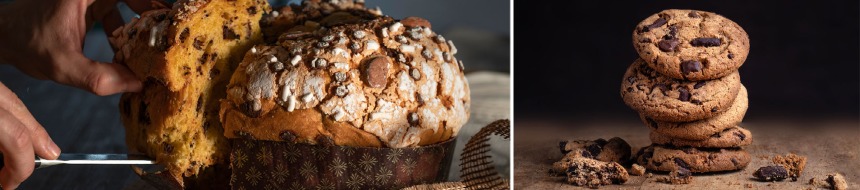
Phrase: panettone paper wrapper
(259, 164)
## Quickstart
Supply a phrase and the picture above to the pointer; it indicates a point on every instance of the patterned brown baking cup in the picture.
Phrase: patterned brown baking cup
(213, 177)
(260, 164)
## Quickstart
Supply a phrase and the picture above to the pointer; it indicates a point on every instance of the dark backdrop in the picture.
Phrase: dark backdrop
(570, 55)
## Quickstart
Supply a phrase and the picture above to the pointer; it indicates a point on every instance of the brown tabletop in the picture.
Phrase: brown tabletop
(830, 145)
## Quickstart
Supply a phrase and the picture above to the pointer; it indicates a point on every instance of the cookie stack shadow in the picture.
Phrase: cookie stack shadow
(686, 88)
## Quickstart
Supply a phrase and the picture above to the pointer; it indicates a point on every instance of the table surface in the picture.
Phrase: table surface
(830, 145)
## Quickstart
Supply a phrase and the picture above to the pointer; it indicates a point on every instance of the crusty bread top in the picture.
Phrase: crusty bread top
(396, 80)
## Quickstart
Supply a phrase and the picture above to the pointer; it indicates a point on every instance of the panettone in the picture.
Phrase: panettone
(185, 56)
(344, 75)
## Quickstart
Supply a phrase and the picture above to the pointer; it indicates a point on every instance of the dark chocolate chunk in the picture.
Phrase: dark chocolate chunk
(657, 23)
(680, 163)
(203, 58)
(586, 154)
(601, 141)
(651, 122)
(699, 85)
(714, 109)
(645, 40)
(419, 99)
(561, 145)
(631, 80)
(183, 35)
(735, 162)
(684, 94)
(697, 102)
(771, 173)
(214, 72)
(594, 149)
(706, 42)
(716, 135)
(740, 135)
(413, 119)
(668, 45)
(376, 72)
(688, 150)
(690, 66)
(663, 88)
(287, 136)
(731, 56)
(673, 33)
(228, 33)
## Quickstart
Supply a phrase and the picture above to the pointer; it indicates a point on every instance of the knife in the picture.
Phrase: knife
(91, 159)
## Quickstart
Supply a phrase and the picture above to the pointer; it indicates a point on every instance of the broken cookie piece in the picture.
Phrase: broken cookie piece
(636, 170)
(560, 167)
(833, 181)
(613, 150)
(680, 175)
(771, 173)
(793, 163)
(594, 173)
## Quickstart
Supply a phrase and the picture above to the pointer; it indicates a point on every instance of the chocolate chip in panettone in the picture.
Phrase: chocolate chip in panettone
(199, 104)
(277, 66)
(415, 22)
(339, 76)
(252, 10)
(168, 148)
(322, 44)
(183, 35)
(198, 43)
(287, 136)
(375, 72)
(355, 46)
(319, 63)
(228, 33)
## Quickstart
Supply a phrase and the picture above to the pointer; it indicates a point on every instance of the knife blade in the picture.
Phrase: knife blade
(91, 159)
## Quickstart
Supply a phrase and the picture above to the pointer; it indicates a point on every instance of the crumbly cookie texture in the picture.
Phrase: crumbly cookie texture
(793, 163)
(697, 160)
(613, 150)
(691, 45)
(593, 173)
(353, 79)
(678, 176)
(637, 170)
(702, 129)
(729, 138)
(184, 56)
(666, 99)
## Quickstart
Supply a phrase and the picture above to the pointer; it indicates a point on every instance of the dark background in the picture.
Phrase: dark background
(571, 55)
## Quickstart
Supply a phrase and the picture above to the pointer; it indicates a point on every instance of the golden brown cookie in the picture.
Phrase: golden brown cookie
(705, 128)
(666, 99)
(697, 160)
(691, 45)
(730, 138)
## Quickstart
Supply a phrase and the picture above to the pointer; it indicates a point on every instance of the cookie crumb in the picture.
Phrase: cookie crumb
(771, 173)
(793, 163)
(593, 173)
(837, 181)
(637, 170)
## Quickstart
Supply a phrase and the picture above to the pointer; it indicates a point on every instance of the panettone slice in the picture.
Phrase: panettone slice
(185, 56)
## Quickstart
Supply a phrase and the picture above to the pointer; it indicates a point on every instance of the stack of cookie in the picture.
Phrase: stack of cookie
(687, 90)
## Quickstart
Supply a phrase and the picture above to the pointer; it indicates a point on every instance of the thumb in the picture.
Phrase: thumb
(99, 78)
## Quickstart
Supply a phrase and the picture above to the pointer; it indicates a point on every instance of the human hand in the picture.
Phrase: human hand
(44, 39)
(20, 137)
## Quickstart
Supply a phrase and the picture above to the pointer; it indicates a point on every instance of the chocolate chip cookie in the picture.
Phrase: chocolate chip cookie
(690, 44)
(667, 99)
(702, 129)
(592, 173)
(613, 150)
(729, 138)
(697, 160)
